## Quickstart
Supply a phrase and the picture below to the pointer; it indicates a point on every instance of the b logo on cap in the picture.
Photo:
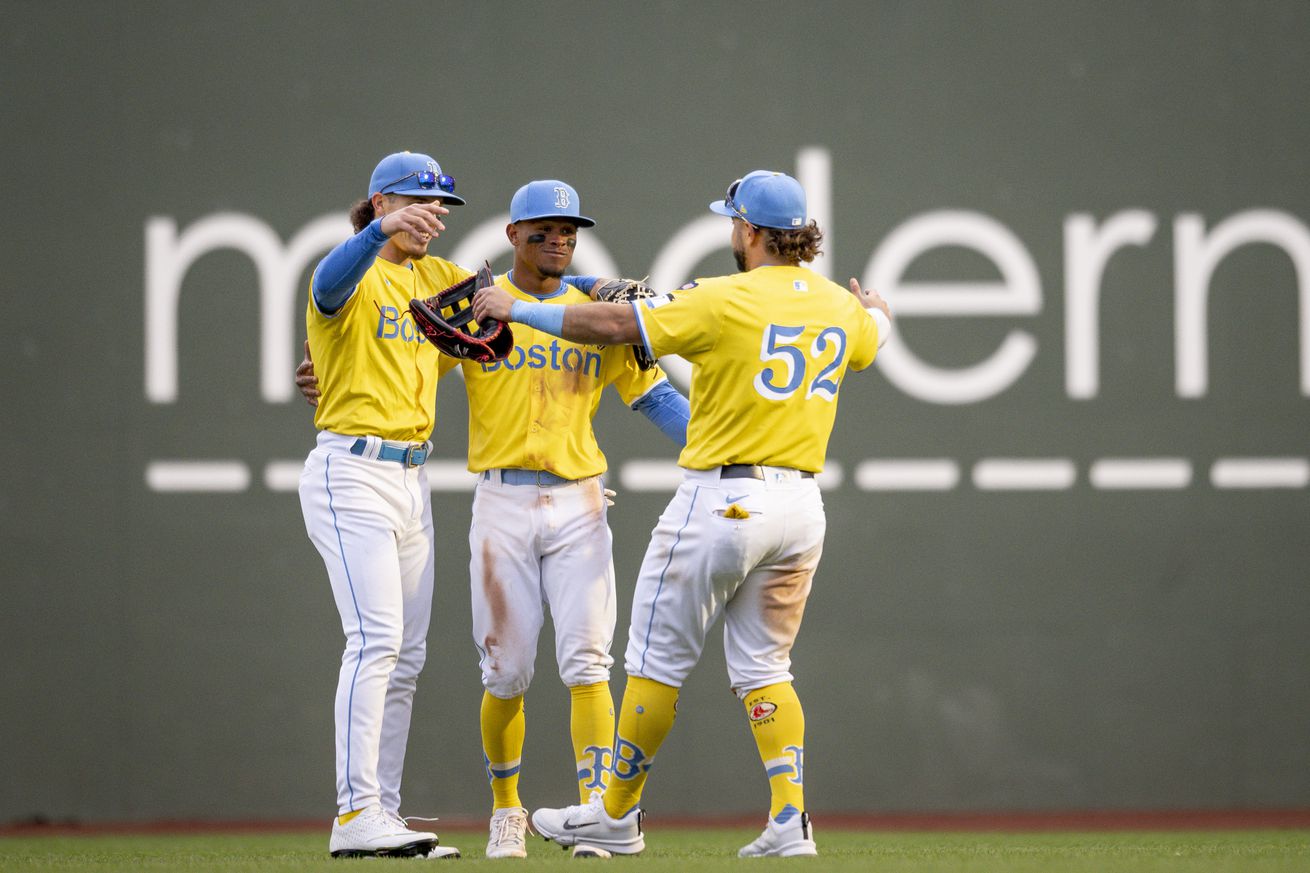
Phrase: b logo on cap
(561, 198)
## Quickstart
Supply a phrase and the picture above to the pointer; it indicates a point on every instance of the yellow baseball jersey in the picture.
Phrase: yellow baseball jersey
(533, 410)
(768, 350)
(376, 371)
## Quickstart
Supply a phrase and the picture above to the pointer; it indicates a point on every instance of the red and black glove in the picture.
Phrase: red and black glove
(446, 319)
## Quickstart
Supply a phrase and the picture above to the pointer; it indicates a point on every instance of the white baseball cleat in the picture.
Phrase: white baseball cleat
(509, 829)
(584, 851)
(589, 825)
(437, 852)
(792, 837)
(375, 833)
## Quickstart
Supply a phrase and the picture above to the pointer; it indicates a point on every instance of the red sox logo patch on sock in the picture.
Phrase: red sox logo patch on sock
(763, 709)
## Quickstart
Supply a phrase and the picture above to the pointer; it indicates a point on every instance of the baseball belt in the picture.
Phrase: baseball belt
(753, 471)
(540, 478)
(410, 456)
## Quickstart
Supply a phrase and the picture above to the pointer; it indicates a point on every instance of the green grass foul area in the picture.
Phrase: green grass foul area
(703, 851)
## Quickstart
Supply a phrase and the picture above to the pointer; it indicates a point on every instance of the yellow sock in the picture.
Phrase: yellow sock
(502, 747)
(645, 719)
(591, 725)
(778, 725)
(345, 819)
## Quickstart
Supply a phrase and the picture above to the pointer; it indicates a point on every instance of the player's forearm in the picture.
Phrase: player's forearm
(342, 268)
(592, 323)
(607, 323)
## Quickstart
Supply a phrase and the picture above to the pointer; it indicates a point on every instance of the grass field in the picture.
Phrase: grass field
(693, 851)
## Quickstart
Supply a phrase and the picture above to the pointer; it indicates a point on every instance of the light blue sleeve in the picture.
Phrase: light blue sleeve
(667, 409)
(339, 272)
(542, 316)
(582, 283)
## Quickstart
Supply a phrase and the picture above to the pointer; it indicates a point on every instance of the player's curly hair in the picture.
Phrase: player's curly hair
(794, 246)
(362, 213)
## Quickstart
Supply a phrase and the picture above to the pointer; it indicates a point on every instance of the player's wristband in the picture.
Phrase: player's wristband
(884, 324)
(542, 316)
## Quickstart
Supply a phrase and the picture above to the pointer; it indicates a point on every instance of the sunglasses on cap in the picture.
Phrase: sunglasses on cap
(426, 179)
(731, 203)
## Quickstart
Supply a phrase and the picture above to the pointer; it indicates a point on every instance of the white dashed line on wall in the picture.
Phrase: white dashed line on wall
(874, 474)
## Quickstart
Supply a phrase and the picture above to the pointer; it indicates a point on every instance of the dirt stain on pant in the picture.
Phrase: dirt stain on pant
(493, 593)
(782, 597)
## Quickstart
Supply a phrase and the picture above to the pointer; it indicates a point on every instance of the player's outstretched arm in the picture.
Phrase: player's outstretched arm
(869, 298)
(605, 323)
(339, 272)
(877, 307)
(600, 323)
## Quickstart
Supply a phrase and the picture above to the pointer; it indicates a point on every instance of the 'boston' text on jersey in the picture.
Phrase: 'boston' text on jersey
(560, 358)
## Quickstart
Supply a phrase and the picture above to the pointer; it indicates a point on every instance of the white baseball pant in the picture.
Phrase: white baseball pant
(371, 520)
(754, 571)
(534, 546)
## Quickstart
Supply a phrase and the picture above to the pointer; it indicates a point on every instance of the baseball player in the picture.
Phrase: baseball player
(539, 536)
(363, 491)
(769, 348)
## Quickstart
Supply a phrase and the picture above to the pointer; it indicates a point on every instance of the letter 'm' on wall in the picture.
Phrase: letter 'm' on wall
(169, 255)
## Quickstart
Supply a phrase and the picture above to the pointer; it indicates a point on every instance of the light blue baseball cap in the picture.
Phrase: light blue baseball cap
(415, 174)
(547, 198)
(765, 199)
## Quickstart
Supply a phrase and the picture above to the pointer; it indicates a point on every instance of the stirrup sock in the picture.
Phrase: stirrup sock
(502, 747)
(591, 725)
(645, 719)
(778, 725)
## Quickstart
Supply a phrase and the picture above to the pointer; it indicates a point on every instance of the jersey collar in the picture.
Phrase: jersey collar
(563, 286)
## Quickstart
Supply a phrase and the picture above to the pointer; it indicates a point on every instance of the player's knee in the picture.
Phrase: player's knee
(506, 680)
(409, 663)
(382, 647)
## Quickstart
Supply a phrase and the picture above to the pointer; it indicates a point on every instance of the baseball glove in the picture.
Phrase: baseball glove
(625, 291)
(446, 319)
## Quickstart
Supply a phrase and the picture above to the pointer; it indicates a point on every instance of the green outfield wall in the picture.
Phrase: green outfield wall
(1067, 553)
